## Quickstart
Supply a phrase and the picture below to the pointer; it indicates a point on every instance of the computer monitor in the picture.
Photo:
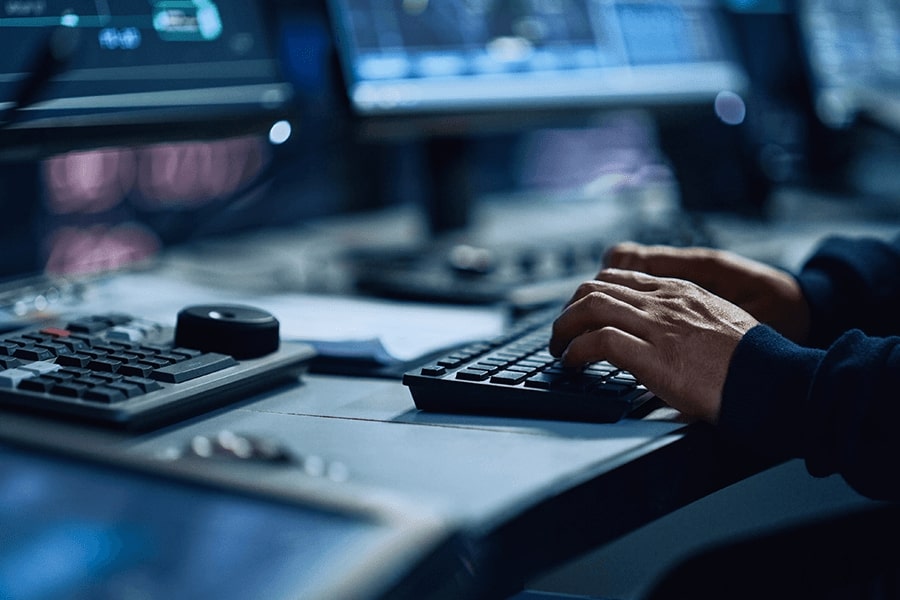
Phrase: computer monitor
(853, 55)
(92, 80)
(454, 69)
(86, 73)
(416, 57)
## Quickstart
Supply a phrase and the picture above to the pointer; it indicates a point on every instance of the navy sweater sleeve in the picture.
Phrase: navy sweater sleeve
(852, 283)
(836, 406)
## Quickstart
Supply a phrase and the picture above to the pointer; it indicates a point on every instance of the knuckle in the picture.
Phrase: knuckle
(596, 301)
(615, 255)
(603, 337)
(586, 288)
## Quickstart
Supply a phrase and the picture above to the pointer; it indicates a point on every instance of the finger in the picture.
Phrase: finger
(632, 280)
(662, 261)
(619, 347)
(615, 282)
(625, 255)
(600, 305)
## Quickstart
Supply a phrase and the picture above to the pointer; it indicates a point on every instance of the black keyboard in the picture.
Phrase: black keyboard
(129, 373)
(515, 375)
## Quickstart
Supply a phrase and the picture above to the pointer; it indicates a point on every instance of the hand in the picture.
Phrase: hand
(770, 295)
(674, 336)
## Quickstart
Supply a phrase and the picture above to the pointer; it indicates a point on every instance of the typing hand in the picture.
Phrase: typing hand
(770, 295)
(674, 336)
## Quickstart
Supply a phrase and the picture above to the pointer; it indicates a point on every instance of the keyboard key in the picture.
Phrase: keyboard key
(33, 354)
(433, 370)
(56, 332)
(135, 369)
(541, 381)
(87, 325)
(508, 377)
(154, 363)
(126, 334)
(472, 375)
(10, 378)
(105, 364)
(147, 385)
(20, 341)
(60, 376)
(193, 368)
(8, 362)
(70, 389)
(452, 361)
(40, 367)
(37, 384)
(486, 367)
(73, 360)
(129, 389)
(53, 347)
(105, 395)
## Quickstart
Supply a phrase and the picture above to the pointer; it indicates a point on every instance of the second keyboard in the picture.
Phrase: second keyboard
(516, 376)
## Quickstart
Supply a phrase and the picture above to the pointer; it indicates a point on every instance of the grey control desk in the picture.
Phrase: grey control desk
(530, 494)
(526, 496)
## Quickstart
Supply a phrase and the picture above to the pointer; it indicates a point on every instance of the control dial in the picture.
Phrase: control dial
(240, 331)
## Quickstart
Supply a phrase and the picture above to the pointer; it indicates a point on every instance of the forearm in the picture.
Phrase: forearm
(835, 408)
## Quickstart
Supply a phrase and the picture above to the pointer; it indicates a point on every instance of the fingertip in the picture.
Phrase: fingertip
(554, 349)
(578, 353)
(570, 362)
(555, 345)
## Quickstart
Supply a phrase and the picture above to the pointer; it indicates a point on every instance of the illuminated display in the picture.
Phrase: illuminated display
(135, 63)
(420, 55)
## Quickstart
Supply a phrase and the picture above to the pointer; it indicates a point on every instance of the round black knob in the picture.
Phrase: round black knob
(240, 331)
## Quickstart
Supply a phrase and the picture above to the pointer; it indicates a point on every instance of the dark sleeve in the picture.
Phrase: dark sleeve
(852, 284)
(836, 408)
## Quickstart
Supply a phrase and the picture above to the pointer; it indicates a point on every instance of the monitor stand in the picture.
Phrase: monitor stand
(450, 267)
(717, 166)
(447, 186)
(21, 203)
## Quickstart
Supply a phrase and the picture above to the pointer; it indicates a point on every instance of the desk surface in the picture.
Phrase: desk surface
(530, 493)
(527, 495)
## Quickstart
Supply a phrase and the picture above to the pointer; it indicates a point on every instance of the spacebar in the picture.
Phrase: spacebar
(193, 368)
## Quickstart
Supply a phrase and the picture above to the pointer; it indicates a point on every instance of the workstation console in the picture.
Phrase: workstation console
(212, 427)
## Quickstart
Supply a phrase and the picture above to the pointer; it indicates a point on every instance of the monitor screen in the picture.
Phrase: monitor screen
(853, 54)
(414, 57)
(85, 73)
(78, 527)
